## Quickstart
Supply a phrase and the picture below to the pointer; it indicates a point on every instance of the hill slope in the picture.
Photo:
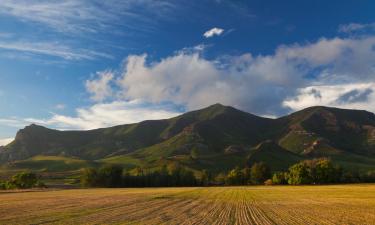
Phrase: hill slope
(215, 138)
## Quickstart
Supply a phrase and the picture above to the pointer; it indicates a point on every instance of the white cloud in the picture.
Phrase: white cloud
(98, 116)
(52, 49)
(13, 122)
(350, 96)
(5, 141)
(353, 27)
(86, 16)
(334, 72)
(60, 106)
(259, 84)
(213, 32)
(99, 87)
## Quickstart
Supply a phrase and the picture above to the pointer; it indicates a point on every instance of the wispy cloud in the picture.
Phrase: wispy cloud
(6, 35)
(86, 16)
(213, 32)
(98, 116)
(60, 106)
(52, 49)
(353, 27)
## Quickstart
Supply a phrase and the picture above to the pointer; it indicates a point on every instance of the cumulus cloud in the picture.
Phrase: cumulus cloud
(333, 72)
(259, 84)
(213, 32)
(100, 87)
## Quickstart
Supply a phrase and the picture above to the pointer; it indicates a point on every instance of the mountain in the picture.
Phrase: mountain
(330, 131)
(216, 138)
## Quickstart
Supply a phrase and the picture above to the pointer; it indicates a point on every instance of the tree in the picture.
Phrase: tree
(299, 174)
(279, 178)
(187, 178)
(235, 177)
(205, 178)
(247, 175)
(89, 177)
(110, 176)
(324, 172)
(24, 180)
(260, 172)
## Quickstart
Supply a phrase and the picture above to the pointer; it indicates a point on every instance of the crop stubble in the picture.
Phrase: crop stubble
(337, 204)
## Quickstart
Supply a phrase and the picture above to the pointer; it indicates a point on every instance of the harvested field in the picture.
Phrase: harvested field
(338, 204)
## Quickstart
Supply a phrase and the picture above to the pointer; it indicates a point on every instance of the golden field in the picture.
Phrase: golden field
(336, 204)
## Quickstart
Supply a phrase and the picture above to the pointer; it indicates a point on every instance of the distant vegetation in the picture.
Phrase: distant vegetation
(22, 180)
(114, 176)
(315, 171)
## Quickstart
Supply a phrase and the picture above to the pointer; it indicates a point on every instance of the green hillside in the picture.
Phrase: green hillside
(216, 138)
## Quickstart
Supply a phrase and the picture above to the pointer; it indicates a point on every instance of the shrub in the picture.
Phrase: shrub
(268, 182)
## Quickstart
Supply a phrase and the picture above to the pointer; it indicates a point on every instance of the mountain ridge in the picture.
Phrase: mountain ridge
(217, 132)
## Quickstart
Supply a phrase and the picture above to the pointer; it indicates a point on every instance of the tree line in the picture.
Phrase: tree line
(23, 180)
(315, 171)
(114, 176)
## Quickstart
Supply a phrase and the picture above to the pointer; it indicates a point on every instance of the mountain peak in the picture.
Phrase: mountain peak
(34, 126)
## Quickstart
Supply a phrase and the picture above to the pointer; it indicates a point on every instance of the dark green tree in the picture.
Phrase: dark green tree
(235, 177)
(260, 172)
(110, 176)
(279, 178)
(24, 180)
(324, 172)
(299, 174)
(89, 177)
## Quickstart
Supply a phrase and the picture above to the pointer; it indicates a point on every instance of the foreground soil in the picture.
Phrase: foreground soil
(338, 204)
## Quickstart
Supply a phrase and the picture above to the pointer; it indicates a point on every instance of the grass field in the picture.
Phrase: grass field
(338, 204)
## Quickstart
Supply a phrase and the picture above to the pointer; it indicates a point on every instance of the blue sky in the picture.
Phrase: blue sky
(83, 64)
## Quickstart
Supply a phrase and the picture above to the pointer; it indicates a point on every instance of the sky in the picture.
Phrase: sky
(84, 64)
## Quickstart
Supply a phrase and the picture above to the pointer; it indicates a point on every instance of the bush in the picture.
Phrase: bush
(268, 182)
